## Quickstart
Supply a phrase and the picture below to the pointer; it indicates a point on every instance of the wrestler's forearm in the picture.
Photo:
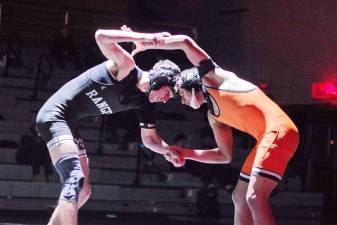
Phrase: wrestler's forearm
(116, 36)
(160, 148)
(212, 156)
(154, 142)
(181, 42)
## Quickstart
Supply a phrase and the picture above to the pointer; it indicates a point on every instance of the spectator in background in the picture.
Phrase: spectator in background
(33, 151)
(64, 48)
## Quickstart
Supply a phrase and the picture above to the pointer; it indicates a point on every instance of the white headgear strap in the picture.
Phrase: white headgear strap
(194, 103)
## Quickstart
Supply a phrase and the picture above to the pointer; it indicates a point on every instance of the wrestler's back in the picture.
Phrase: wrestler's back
(244, 106)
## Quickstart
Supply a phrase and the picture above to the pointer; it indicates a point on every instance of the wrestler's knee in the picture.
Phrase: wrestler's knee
(291, 138)
(238, 197)
(71, 176)
(256, 199)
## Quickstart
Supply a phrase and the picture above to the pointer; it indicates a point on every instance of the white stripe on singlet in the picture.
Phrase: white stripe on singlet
(59, 140)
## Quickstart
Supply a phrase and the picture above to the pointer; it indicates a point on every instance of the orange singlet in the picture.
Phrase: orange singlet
(256, 114)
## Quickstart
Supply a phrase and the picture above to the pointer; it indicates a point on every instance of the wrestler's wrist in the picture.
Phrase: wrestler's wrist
(186, 153)
(147, 37)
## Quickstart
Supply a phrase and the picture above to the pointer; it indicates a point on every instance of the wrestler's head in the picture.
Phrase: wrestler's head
(190, 88)
(162, 77)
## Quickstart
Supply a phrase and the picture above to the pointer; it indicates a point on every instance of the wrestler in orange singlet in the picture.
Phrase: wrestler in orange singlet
(251, 111)
(234, 102)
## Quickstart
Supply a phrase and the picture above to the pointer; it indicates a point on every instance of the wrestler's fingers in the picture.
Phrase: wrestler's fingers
(126, 28)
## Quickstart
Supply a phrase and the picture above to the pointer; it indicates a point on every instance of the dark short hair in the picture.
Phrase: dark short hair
(164, 72)
(189, 79)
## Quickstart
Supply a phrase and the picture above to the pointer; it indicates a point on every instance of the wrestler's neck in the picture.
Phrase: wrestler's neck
(143, 83)
(201, 98)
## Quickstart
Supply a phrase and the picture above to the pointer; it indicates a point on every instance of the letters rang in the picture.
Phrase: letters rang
(98, 101)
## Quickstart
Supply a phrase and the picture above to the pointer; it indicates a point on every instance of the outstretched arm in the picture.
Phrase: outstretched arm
(172, 42)
(107, 41)
(178, 42)
(210, 156)
(222, 154)
(154, 142)
(192, 50)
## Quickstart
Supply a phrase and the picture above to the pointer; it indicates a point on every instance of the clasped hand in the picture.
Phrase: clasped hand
(154, 39)
(175, 156)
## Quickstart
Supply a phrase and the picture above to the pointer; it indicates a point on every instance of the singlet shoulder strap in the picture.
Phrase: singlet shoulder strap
(208, 99)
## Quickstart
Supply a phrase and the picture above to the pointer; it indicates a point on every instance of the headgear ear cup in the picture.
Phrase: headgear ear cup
(190, 79)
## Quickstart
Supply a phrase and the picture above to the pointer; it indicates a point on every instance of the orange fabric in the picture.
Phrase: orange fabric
(251, 112)
(273, 152)
(256, 114)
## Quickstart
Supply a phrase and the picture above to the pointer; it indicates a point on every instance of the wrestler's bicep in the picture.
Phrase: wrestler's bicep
(222, 134)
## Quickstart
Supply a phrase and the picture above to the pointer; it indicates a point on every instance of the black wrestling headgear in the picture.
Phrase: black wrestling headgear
(190, 79)
(163, 72)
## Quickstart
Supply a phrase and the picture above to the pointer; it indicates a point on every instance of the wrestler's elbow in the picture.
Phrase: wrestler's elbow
(148, 142)
(225, 159)
(100, 36)
(187, 42)
(225, 156)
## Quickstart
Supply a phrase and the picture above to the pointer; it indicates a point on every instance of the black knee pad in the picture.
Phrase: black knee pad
(71, 175)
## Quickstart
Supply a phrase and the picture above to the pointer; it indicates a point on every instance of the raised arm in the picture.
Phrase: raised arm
(172, 42)
(177, 42)
(107, 41)
(192, 50)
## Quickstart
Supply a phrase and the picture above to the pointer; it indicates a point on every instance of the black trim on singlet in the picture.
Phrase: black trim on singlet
(209, 102)
(260, 173)
(244, 179)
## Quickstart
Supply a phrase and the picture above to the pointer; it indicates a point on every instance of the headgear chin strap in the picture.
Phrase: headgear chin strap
(194, 102)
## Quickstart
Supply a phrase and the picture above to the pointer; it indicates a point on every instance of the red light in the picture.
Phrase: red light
(324, 91)
(263, 85)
